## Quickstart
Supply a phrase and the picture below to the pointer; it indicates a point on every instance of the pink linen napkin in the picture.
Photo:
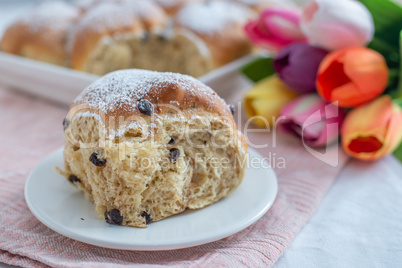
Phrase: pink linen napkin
(32, 128)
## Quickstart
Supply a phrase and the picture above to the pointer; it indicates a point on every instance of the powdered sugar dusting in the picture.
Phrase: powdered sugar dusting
(117, 15)
(122, 89)
(213, 16)
(106, 16)
(55, 15)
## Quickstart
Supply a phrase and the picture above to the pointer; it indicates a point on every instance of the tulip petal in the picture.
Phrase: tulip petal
(309, 11)
(329, 135)
(394, 131)
(297, 66)
(314, 120)
(337, 24)
(352, 76)
(275, 28)
(335, 36)
(266, 100)
(368, 71)
(347, 95)
(293, 16)
(332, 78)
(368, 144)
(373, 130)
(256, 36)
(283, 29)
(370, 117)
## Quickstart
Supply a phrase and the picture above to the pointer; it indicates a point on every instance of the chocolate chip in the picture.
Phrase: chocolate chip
(145, 107)
(113, 217)
(171, 142)
(65, 123)
(96, 161)
(82, 219)
(187, 208)
(147, 217)
(232, 109)
(174, 155)
(74, 179)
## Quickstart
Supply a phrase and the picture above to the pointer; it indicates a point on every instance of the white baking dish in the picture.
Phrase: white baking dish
(63, 84)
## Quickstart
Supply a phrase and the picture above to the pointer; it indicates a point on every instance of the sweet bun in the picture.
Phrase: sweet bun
(99, 36)
(219, 25)
(197, 39)
(145, 145)
(41, 34)
(101, 41)
(172, 6)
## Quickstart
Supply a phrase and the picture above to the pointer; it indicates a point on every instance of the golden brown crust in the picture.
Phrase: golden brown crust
(172, 6)
(41, 34)
(220, 26)
(227, 46)
(109, 35)
(110, 19)
(223, 35)
(118, 94)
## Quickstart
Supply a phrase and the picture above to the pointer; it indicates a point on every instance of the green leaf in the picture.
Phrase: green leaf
(400, 66)
(389, 51)
(398, 152)
(398, 101)
(385, 13)
(259, 69)
(387, 17)
(392, 88)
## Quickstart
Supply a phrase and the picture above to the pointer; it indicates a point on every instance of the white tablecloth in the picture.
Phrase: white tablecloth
(358, 223)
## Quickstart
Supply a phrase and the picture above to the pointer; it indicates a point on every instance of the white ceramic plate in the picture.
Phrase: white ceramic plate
(61, 207)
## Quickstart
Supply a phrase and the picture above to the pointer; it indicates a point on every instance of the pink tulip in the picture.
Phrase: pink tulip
(313, 120)
(275, 28)
(337, 24)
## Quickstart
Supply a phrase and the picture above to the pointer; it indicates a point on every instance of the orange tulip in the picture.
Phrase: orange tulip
(352, 76)
(373, 130)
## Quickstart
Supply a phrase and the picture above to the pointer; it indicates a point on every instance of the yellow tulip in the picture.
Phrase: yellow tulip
(373, 130)
(266, 99)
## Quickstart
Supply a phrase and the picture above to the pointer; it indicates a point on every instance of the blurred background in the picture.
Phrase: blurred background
(9, 9)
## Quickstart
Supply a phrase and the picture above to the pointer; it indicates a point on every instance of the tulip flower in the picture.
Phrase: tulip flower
(373, 130)
(264, 102)
(297, 66)
(337, 24)
(312, 119)
(352, 76)
(275, 28)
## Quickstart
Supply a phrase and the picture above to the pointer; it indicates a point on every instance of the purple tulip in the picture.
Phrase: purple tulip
(297, 66)
(313, 120)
